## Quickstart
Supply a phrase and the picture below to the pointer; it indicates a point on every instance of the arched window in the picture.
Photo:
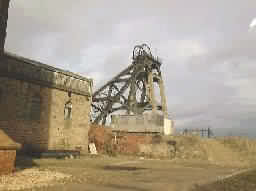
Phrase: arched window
(35, 107)
(68, 108)
(1, 95)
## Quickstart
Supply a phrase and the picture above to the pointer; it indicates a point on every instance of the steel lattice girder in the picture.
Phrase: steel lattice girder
(129, 90)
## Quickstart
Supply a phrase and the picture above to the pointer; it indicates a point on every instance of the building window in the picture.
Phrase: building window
(68, 108)
(35, 108)
(1, 95)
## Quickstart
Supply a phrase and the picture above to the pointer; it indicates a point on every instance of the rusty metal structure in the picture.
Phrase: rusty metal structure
(132, 90)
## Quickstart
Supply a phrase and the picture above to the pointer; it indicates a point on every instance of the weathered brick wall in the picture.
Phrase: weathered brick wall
(101, 136)
(18, 108)
(7, 161)
(33, 115)
(122, 142)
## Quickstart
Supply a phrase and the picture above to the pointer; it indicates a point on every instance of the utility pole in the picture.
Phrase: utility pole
(4, 6)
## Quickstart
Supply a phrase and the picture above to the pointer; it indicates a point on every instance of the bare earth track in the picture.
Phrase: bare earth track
(198, 164)
(127, 173)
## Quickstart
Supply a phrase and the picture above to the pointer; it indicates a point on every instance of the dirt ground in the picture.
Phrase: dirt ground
(128, 173)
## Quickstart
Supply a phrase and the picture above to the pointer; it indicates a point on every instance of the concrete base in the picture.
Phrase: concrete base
(168, 127)
(146, 123)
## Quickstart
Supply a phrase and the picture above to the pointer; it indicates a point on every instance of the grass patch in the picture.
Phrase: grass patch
(243, 182)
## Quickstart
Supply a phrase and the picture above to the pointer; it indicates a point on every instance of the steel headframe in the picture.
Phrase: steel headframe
(131, 90)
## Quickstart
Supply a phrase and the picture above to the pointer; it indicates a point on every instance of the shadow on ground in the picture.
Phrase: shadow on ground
(123, 187)
(122, 168)
(24, 162)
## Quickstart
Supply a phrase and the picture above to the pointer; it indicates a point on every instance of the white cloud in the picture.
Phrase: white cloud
(188, 48)
(252, 24)
(194, 39)
(97, 77)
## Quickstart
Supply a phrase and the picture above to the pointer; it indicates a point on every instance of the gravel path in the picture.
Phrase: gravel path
(31, 178)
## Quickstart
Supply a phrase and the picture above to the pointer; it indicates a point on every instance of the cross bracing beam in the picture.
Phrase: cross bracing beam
(132, 90)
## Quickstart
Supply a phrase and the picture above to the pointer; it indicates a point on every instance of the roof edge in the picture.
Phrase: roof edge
(45, 66)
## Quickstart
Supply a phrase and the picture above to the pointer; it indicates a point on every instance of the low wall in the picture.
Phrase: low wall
(108, 142)
(7, 161)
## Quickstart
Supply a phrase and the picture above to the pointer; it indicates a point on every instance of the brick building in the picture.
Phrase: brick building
(42, 107)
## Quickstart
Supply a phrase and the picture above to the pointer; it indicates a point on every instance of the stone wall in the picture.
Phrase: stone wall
(33, 115)
(7, 161)
(69, 133)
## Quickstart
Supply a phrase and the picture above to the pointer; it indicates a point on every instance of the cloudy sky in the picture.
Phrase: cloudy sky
(207, 50)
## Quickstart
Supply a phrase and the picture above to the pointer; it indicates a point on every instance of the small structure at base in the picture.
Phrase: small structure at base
(148, 123)
(168, 127)
(92, 149)
(7, 153)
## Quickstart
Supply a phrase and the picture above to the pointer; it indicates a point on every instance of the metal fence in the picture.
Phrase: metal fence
(199, 132)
